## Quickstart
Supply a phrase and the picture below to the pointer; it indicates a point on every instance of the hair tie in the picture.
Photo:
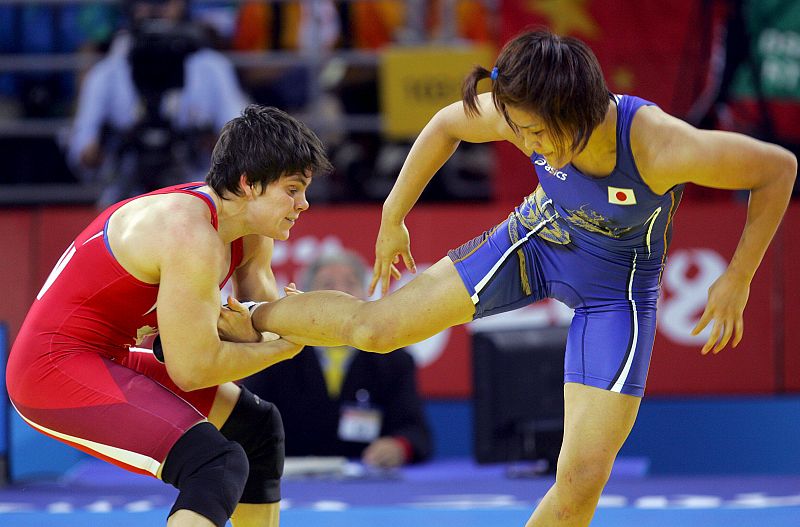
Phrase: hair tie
(494, 73)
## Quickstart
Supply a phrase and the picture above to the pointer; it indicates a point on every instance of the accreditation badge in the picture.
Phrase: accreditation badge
(361, 424)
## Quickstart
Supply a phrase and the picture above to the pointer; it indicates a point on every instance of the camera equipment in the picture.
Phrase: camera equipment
(157, 56)
(154, 153)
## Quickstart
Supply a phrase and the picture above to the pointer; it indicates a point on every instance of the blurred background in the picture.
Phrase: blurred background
(367, 75)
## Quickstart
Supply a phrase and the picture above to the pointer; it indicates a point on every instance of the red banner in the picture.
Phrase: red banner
(786, 300)
(704, 241)
(17, 278)
(705, 238)
(766, 361)
(655, 50)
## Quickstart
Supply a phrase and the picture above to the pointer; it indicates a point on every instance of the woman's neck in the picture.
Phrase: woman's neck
(599, 157)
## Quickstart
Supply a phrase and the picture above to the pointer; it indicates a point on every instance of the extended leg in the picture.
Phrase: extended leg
(430, 303)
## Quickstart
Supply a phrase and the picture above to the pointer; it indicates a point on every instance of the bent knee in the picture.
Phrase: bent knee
(373, 339)
(209, 471)
(370, 332)
(257, 426)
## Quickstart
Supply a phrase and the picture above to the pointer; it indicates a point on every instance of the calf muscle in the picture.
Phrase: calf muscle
(420, 309)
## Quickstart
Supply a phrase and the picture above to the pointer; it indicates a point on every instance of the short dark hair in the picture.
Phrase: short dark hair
(557, 78)
(264, 143)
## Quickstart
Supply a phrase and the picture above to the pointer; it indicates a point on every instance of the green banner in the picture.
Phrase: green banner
(774, 26)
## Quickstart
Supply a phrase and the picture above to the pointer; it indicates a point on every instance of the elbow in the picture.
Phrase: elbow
(188, 377)
(779, 180)
(186, 386)
(792, 169)
(185, 380)
(193, 370)
(788, 172)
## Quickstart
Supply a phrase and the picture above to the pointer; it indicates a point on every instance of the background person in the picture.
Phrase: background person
(149, 111)
(344, 402)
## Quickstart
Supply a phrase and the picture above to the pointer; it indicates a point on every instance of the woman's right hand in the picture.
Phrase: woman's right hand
(392, 244)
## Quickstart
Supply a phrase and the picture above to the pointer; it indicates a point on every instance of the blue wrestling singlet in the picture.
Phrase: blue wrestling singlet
(598, 245)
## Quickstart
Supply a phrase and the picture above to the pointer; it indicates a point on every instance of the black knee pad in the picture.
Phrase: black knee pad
(210, 472)
(257, 426)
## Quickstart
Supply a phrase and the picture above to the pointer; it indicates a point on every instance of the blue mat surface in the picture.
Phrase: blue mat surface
(455, 492)
(397, 517)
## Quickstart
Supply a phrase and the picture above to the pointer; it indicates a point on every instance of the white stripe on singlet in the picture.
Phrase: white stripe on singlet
(133, 459)
(485, 280)
(93, 237)
(623, 376)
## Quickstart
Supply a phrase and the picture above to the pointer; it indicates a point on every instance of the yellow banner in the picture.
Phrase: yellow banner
(416, 82)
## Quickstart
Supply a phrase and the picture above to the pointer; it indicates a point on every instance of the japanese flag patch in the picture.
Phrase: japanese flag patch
(621, 196)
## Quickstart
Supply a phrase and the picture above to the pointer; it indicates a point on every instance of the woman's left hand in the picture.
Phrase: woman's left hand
(727, 298)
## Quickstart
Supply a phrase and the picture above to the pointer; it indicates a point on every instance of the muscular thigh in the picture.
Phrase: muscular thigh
(609, 347)
(511, 266)
(499, 269)
(612, 332)
(431, 302)
(614, 294)
(105, 408)
(146, 364)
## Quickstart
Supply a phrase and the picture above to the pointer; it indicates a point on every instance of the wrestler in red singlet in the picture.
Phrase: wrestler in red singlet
(71, 372)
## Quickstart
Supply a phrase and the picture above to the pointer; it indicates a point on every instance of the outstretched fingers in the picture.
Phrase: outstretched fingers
(738, 331)
(408, 261)
(383, 273)
(724, 330)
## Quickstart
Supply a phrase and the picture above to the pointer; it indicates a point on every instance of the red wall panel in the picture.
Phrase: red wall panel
(56, 228)
(16, 266)
(788, 297)
(705, 237)
(655, 50)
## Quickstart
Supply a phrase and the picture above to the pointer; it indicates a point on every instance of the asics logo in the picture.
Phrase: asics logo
(557, 173)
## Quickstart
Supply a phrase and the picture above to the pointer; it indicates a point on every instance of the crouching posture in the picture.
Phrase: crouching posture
(154, 265)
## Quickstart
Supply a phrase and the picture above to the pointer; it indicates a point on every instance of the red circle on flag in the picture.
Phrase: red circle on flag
(621, 196)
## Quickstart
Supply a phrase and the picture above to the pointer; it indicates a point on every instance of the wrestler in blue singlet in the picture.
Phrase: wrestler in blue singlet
(598, 245)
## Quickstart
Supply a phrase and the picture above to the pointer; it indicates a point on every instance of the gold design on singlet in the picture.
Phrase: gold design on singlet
(539, 209)
(144, 332)
(592, 221)
(523, 274)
